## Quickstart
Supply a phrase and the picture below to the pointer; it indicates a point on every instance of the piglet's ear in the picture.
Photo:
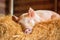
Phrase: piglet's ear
(15, 18)
(31, 12)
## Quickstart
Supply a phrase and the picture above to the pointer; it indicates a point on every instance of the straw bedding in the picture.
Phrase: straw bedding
(10, 30)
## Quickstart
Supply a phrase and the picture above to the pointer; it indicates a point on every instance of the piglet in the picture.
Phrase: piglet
(29, 19)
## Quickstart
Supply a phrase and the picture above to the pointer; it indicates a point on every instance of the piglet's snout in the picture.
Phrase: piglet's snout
(28, 31)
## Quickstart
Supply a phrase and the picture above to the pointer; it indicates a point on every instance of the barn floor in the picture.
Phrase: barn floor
(10, 30)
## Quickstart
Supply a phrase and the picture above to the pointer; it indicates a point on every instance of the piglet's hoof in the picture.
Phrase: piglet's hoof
(28, 31)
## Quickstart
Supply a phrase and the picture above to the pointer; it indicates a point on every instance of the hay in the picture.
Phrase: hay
(9, 30)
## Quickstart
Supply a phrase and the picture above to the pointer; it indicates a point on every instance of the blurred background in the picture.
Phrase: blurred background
(22, 6)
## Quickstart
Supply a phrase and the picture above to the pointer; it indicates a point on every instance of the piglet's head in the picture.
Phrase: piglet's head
(31, 12)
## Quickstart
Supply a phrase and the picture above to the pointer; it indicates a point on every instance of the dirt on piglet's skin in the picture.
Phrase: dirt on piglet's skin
(10, 30)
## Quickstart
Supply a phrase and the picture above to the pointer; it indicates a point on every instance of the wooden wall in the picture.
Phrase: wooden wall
(58, 6)
(2, 6)
(21, 6)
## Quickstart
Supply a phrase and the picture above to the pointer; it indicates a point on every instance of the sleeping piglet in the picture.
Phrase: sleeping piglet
(29, 19)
